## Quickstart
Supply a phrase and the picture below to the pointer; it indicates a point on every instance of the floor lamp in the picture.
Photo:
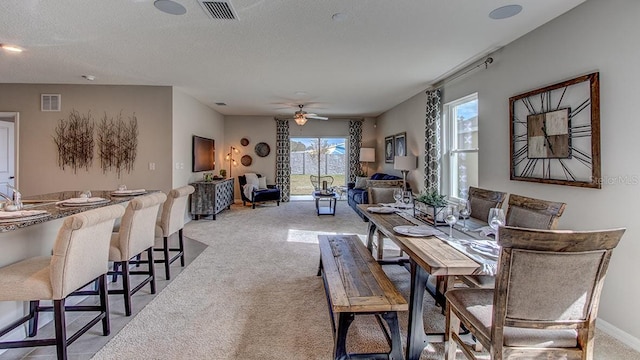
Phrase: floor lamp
(405, 164)
(232, 161)
(367, 155)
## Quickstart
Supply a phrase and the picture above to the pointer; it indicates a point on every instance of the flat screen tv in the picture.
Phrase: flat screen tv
(204, 158)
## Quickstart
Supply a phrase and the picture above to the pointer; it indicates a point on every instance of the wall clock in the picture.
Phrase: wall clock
(555, 133)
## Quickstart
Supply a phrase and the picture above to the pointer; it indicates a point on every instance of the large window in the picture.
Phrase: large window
(461, 145)
(316, 156)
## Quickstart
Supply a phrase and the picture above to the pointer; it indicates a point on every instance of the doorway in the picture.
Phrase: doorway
(316, 156)
(8, 151)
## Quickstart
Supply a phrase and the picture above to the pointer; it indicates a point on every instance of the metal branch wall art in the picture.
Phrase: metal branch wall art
(74, 140)
(117, 143)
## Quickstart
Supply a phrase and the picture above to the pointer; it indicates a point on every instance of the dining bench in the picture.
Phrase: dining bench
(355, 284)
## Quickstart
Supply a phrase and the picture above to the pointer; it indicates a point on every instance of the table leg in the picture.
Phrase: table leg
(416, 337)
(372, 232)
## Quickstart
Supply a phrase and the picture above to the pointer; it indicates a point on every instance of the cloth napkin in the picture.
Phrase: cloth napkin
(486, 231)
(20, 213)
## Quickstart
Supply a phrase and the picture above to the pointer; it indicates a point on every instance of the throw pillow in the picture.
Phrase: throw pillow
(361, 182)
(252, 179)
(262, 183)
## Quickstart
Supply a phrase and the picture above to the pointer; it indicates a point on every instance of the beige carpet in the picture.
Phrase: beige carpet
(253, 294)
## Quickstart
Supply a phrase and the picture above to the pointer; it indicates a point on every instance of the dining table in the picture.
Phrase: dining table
(435, 254)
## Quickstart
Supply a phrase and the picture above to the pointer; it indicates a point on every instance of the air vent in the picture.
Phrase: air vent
(50, 102)
(220, 10)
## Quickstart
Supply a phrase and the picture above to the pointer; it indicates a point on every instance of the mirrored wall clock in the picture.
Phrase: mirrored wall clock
(555, 133)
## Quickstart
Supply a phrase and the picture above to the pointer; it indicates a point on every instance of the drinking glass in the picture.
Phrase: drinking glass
(85, 194)
(407, 198)
(122, 187)
(450, 218)
(465, 212)
(397, 195)
(496, 218)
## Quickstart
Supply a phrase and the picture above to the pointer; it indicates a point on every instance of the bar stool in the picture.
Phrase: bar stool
(135, 236)
(80, 257)
(172, 221)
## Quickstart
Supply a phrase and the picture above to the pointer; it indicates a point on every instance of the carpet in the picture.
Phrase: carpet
(254, 294)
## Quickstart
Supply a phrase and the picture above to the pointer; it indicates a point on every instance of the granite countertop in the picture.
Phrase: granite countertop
(48, 202)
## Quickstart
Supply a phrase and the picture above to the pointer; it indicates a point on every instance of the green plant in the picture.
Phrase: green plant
(432, 198)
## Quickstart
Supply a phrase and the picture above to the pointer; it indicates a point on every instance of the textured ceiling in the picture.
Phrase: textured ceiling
(384, 52)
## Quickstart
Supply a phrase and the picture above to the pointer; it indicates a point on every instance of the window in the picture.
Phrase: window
(461, 145)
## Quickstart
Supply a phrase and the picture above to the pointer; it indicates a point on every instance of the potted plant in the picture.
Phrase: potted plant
(434, 202)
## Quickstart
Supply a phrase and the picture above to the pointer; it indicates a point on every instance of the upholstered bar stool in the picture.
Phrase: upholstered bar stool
(172, 221)
(80, 257)
(135, 236)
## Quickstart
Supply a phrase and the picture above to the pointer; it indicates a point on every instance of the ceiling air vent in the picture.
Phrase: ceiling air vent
(221, 10)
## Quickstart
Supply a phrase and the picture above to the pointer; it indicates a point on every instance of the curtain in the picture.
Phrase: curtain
(283, 161)
(355, 142)
(432, 149)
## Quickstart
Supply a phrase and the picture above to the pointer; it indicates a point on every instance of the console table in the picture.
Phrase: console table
(211, 197)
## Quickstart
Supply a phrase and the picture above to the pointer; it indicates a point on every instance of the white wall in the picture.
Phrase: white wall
(263, 129)
(594, 36)
(191, 117)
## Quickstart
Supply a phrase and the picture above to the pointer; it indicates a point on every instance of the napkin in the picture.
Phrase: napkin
(486, 231)
(381, 210)
(81, 200)
(20, 213)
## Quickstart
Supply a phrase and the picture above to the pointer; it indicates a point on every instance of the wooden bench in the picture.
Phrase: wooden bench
(355, 284)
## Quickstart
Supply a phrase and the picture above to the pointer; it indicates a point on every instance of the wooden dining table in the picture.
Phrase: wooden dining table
(428, 256)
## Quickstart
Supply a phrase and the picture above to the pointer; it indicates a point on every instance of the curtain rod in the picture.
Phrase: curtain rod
(463, 72)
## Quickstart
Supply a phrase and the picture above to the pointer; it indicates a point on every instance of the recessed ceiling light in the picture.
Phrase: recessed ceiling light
(506, 11)
(339, 17)
(169, 7)
(89, 77)
(11, 48)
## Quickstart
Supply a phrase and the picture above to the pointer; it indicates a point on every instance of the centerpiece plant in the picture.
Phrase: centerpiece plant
(434, 202)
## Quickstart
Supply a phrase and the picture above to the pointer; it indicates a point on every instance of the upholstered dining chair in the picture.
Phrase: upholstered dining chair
(135, 236)
(546, 297)
(482, 200)
(172, 221)
(80, 257)
(533, 213)
(377, 196)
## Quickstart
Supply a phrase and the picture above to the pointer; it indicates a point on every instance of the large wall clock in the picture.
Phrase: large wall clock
(555, 133)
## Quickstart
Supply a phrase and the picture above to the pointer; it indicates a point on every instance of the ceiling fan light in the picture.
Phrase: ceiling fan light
(300, 120)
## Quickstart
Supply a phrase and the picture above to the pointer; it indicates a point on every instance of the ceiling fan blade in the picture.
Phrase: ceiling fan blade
(313, 116)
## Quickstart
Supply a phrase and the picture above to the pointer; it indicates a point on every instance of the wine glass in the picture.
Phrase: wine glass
(397, 195)
(465, 212)
(496, 218)
(407, 198)
(86, 194)
(450, 218)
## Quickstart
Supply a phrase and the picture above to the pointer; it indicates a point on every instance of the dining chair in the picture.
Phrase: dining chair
(79, 258)
(546, 297)
(481, 200)
(377, 196)
(172, 221)
(533, 213)
(135, 236)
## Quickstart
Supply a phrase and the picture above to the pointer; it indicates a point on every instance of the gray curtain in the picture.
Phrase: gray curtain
(283, 161)
(432, 148)
(355, 142)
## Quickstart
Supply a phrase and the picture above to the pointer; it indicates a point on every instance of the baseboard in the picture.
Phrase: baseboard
(618, 334)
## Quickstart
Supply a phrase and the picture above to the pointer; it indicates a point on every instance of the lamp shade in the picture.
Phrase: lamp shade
(408, 162)
(367, 154)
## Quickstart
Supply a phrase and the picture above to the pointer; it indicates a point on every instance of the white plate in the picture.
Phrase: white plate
(381, 210)
(23, 219)
(419, 231)
(82, 202)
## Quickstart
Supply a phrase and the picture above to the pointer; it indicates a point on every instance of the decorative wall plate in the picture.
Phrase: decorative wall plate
(246, 160)
(244, 141)
(262, 149)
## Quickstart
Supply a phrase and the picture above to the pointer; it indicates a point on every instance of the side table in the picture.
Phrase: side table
(325, 210)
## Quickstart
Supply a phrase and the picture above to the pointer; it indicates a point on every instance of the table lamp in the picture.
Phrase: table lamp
(404, 164)
(367, 155)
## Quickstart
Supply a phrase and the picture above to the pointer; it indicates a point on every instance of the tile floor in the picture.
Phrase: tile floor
(92, 341)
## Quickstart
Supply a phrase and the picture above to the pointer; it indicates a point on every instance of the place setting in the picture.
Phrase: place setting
(85, 199)
(123, 191)
(21, 215)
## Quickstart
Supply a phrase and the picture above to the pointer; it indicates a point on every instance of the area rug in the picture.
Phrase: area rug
(254, 294)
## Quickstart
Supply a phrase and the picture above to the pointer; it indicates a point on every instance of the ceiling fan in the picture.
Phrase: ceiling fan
(301, 116)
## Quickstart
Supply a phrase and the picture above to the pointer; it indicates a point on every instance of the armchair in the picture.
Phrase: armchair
(271, 193)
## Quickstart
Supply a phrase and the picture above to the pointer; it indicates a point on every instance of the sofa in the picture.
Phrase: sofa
(357, 195)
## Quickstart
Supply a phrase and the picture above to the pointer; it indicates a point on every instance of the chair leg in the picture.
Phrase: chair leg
(104, 304)
(167, 264)
(126, 288)
(452, 328)
(181, 247)
(61, 331)
(152, 270)
(114, 276)
(33, 321)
